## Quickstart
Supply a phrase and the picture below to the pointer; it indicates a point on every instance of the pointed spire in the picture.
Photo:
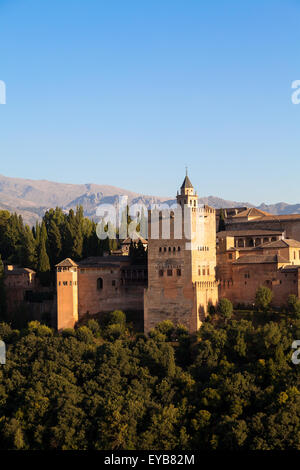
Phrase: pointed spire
(186, 182)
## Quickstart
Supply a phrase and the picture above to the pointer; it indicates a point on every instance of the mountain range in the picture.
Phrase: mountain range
(31, 198)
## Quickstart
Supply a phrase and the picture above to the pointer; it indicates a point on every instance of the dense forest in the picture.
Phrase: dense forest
(102, 386)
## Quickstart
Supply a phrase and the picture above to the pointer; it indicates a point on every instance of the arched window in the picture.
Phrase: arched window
(99, 283)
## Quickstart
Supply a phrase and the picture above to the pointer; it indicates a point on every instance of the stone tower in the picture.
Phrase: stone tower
(67, 294)
(181, 262)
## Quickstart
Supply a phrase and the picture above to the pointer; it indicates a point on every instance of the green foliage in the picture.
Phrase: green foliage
(294, 305)
(222, 225)
(38, 329)
(225, 308)
(59, 236)
(138, 253)
(115, 317)
(2, 293)
(263, 298)
(233, 387)
(84, 334)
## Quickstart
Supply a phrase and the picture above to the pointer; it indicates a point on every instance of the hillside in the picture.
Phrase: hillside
(31, 198)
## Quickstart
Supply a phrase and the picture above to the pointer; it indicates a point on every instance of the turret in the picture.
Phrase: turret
(67, 294)
(187, 194)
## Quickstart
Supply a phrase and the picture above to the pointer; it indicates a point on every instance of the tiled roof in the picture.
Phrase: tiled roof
(17, 271)
(287, 242)
(245, 233)
(67, 263)
(251, 212)
(128, 240)
(186, 183)
(261, 259)
(102, 261)
(284, 217)
(290, 268)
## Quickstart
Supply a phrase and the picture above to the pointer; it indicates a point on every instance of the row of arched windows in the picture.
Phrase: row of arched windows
(164, 249)
(203, 271)
(169, 272)
(66, 283)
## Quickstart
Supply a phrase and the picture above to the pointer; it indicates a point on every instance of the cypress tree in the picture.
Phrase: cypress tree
(43, 264)
(54, 243)
(28, 249)
(222, 226)
(2, 292)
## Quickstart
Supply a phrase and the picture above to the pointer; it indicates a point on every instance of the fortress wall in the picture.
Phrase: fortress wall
(242, 289)
(112, 296)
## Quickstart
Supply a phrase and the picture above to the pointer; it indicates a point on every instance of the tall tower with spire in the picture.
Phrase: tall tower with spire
(182, 265)
(187, 195)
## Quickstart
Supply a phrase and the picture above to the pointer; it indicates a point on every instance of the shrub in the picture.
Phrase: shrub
(38, 329)
(225, 308)
(166, 327)
(117, 317)
(84, 334)
(294, 305)
(94, 326)
(114, 331)
(263, 298)
(68, 332)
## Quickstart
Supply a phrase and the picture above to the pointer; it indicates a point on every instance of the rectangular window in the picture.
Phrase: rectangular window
(178, 272)
(169, 272)
(161, 273)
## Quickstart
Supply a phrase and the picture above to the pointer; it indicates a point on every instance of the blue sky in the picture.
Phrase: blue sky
(129, 92)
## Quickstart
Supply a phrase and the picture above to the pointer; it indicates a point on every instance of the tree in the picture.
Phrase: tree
(43, 263)
(28, 249)
(2, 292)
(225, 308)
(54, 243)
(263, 298)
(294, 305)
(222, 226)
(115, 317)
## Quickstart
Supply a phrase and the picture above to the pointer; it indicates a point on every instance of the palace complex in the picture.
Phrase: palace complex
(190, 265)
